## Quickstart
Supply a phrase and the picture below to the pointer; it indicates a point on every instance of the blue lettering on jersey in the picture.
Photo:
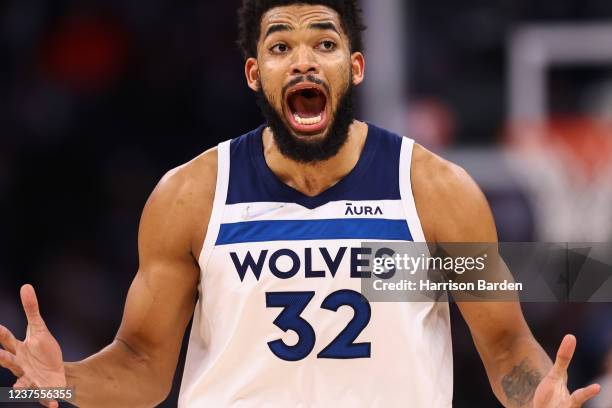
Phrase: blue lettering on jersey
(362, 210)
(249, 263)
(303, 261)
(342, 347)
(357, 262)
(295, 264)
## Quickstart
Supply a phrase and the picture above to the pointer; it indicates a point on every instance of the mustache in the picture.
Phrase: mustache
(305, 78)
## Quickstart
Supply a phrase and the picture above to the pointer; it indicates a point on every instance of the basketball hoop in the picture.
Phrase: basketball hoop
(565, 165)
(584, 145)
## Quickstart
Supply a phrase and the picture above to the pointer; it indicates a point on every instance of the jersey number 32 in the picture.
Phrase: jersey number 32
(343, 346)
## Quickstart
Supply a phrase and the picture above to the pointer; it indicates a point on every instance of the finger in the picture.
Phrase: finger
(23, 382)
(8, 341)
(49, 403)
(582, 395)
(7, 360)
(30, 306)
(564, 356)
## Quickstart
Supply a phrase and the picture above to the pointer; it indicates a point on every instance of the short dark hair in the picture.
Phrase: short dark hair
(251, 11)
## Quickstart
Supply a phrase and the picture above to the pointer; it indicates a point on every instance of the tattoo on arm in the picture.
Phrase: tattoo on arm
(520, 384)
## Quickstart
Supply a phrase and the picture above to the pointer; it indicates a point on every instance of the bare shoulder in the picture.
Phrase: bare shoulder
(181, 203)
(194, 180)
(451, 206)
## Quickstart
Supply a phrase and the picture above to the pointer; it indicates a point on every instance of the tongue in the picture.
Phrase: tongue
(307, 107)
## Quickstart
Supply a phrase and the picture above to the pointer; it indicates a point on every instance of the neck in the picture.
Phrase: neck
(312, 179)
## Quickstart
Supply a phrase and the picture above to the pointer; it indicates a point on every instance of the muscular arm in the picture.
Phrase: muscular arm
(136, 370)
(453, 209)
(138, 367)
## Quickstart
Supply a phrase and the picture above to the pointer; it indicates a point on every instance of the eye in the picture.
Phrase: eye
(327, 45)
(279, 48)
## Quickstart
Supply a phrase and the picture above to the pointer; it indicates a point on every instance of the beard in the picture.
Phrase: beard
(306, 151)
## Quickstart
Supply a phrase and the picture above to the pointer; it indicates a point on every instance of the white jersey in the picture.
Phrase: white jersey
(281, 321)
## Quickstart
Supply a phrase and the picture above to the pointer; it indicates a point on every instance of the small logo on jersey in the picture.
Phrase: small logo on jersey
(252, 211)
(352, 209)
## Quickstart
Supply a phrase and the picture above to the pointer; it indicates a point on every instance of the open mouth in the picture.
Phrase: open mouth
(307, 111)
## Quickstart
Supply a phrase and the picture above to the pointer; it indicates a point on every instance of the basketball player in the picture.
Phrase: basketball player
(258, 231)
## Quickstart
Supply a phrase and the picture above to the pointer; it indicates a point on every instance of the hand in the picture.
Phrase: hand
(36, 361)
(552, 391)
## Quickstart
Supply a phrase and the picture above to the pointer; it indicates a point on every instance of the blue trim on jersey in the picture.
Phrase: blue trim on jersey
(374, 177)
(297, 230)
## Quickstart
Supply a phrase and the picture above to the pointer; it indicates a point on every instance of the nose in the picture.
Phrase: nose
(304, 62)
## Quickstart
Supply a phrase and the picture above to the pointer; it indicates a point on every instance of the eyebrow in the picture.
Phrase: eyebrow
(275, 28)
(324, 26)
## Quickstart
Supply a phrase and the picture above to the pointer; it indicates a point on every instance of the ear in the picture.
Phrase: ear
(251, 71)
(357, 67)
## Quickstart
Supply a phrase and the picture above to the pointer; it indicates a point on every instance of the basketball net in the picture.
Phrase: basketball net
(565, 165)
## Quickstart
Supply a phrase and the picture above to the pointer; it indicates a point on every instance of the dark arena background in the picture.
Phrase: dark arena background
(98, 99)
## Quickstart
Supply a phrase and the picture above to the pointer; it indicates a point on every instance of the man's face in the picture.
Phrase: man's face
(304, 72)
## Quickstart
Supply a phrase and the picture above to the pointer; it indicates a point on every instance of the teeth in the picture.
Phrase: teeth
(307, 121)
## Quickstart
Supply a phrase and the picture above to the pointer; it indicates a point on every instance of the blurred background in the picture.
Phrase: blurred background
(98, 99)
